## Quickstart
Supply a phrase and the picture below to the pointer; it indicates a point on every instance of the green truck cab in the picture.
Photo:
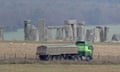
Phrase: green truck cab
(79, 51)
(85, 49)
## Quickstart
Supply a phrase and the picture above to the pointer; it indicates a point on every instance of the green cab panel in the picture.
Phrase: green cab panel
(84, 48)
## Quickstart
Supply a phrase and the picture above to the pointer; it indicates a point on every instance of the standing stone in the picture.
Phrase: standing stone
(46, 34)
(34, 34)
(41, 29)
(74, 28)
(71, 29)
(1, 34)
(27, 29)
(101, 33)
(37, 35)
(106, 31)
(89, 35)
(69, 32)
(59, 34)
(49, 33)
(31, 32)
(81, 31)
(97, 35)
(116, 37)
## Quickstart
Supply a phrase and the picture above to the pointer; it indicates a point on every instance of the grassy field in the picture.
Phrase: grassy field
(58, 68)
(106, 51)
(22, 49)
(10, 49)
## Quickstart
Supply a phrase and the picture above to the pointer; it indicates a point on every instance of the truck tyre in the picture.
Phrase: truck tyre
(47, 58)
(88, 58)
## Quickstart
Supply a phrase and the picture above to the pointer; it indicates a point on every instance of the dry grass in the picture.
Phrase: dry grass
(18, 49)
(59, 68)
(10, 49)
(22, 49)
(107, 50)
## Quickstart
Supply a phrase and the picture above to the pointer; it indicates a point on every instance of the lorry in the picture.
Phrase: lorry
(81, 50)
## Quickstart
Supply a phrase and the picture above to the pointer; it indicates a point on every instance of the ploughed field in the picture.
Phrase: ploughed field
(28, 50)
(58, 68)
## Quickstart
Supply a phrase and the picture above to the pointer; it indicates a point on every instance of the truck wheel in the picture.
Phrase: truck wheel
(41, 57)
(81, 58)
(88, 58)
(47, 58)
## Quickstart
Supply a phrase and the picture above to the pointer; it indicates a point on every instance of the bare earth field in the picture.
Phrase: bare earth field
(58, 68)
